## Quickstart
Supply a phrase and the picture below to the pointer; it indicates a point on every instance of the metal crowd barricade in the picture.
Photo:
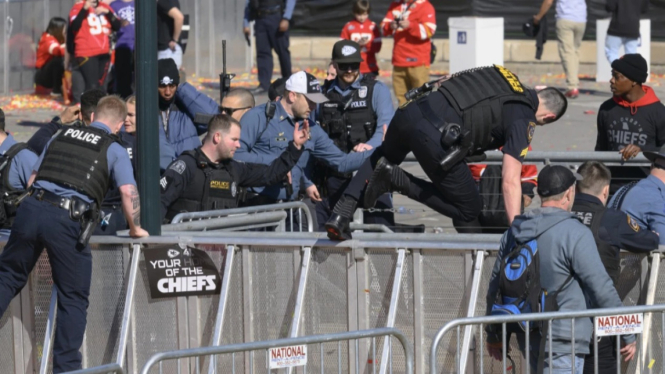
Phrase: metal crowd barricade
(254, 346)
(103, 369)
(562, 157)
(245, 218)
(533, 317)
(282, 285)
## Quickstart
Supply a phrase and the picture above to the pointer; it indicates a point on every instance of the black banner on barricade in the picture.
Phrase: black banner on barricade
(175, 271)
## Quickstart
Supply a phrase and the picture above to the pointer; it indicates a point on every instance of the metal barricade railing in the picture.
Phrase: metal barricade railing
(562, 157)
(246, 217)
(103, 369)
(481, 322)
(281, 285)
(305, 340)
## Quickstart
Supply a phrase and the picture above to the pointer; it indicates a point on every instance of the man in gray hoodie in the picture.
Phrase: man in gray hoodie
(566, 248)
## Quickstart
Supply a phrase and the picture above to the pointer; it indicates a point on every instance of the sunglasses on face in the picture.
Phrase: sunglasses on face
(230, 111)
(353, 66)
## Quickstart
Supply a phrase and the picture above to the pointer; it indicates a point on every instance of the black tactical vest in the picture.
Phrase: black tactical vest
(213, 187)
(350, 120)
(9, 194)
(77, 158)
(591, 216)
(478, 95)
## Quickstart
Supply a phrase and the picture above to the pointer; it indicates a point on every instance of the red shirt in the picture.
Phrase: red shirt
(48, 48)
(412, 45)
(355, 31)
(92, 38)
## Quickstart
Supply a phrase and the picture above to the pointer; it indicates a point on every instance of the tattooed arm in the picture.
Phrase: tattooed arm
(131, 206)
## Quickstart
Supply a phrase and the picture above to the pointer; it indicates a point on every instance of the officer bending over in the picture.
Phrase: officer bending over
(70, 180)
(358, 109)
(612, 230)
(473, 111)
(16, 161)
(208, 178)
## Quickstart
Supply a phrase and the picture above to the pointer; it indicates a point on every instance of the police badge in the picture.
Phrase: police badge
(362, 92)
(234, 189)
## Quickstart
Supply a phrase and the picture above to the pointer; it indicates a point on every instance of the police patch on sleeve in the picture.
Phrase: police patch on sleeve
(178, 166)
(163, 183)
(531, 130)
(633, 225)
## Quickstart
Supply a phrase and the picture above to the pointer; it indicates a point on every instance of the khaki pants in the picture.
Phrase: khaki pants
(569, 34)
(405, 79)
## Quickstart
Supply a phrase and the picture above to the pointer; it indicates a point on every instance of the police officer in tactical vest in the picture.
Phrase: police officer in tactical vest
(70, 180)
(271, 29)
(354, 118)
(208, 178)
(471, 112)
(16, 161)
(612, 230)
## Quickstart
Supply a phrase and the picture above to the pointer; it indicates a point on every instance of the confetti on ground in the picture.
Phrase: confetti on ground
(589, 112)
(19, 102)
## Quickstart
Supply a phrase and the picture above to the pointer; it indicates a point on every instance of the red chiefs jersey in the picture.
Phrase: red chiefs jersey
(48, 48)
(412, 44)
(92, 38)
(355, 31)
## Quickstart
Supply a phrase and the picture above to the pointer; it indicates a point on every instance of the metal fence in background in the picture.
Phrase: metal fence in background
(283, 285)
(211, 21)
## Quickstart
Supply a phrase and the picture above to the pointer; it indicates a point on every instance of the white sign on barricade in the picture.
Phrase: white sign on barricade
(622, 324)
(284, 357)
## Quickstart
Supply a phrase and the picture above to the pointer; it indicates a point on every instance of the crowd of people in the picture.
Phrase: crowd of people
(76, 176)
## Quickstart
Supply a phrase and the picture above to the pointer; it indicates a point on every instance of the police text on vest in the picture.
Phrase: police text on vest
(83, 135)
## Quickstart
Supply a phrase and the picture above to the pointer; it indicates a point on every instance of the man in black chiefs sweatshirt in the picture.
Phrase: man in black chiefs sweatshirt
(632, 121)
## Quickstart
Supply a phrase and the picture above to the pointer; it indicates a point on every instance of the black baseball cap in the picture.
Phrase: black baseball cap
(656, 157)
(346, 51)
(306, 84)
(555, 179)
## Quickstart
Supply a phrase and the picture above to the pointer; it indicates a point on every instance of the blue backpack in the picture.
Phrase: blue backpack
(519, 283)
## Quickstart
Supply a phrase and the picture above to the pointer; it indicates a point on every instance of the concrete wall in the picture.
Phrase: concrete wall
(306, 50)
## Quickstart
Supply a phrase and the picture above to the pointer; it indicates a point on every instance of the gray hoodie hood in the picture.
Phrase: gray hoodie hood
(534, 222)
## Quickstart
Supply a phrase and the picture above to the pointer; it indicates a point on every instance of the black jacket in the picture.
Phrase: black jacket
(626, 17)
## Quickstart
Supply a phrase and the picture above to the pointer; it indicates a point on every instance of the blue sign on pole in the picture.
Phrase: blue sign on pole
(461, 37)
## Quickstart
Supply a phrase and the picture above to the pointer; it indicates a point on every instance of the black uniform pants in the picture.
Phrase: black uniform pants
(336, 187)
(93, 70)
(607, 356)
(40, 224)
(269, 38)
(123, 71)
(453, 193)
(50, 75)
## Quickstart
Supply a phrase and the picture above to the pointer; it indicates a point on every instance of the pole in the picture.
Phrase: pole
(147, 115)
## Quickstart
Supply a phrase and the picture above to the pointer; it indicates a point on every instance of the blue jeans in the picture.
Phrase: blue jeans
(563, 364)
(613, 43)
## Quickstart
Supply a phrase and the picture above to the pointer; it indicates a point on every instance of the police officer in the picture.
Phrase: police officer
(644, 201)
(358, 108)
(261, 141)
(271, 29)
(612, 230)
(112, 216)
(474, 110)
(16, 161)
(70, 180)
(208, 178)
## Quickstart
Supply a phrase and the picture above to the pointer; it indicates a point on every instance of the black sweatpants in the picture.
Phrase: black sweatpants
(453, 193)
(93, 70)
(124, 71)
(50, 75)
(607, 356)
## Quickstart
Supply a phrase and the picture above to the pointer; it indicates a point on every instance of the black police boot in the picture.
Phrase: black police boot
(386, 178)
(338, 225)
(456, 142)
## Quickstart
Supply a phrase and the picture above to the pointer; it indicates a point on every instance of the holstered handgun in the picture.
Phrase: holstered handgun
(88, 215)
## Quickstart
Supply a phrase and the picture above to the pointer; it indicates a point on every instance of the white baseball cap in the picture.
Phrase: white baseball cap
(306, 84)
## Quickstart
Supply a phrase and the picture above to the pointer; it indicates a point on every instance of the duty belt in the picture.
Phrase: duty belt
(53, 199)
(268, 11)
